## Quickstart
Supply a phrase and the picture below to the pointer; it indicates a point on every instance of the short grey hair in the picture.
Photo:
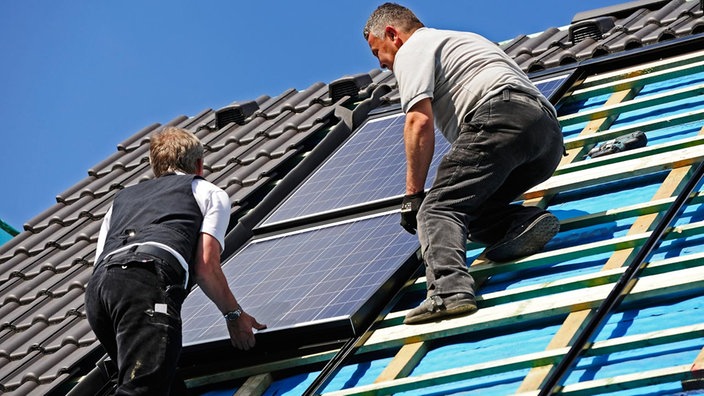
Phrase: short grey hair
(391, 14)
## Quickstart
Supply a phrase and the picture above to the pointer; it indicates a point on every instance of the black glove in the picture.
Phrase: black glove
(409, 210)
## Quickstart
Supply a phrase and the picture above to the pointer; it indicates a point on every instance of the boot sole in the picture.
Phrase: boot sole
(463, 309)
(530, 241)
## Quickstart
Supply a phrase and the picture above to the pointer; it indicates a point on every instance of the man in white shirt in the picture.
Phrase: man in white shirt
(157, 239)
(505, 139)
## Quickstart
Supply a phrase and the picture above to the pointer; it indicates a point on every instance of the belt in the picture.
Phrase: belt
(154, 251)
(509, 95)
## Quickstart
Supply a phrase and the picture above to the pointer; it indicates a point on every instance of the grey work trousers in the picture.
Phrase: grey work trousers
(508, 145)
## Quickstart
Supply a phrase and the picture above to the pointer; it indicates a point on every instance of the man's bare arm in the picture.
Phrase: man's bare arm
(419, 139)
(210, 278)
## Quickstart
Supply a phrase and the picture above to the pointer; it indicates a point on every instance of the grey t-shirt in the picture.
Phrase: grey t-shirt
(458, 71)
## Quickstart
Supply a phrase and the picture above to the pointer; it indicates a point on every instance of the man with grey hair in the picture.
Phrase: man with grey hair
(505, 139)
(158, 238)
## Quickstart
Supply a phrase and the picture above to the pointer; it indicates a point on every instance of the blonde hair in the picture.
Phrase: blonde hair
(174, 149)
(391, 14)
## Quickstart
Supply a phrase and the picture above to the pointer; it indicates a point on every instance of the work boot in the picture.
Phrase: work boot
(524, 240)
(436, 307)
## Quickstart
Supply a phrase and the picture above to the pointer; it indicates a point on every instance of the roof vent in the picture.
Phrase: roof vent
(348, 86)
(236, 113)
(593, 28)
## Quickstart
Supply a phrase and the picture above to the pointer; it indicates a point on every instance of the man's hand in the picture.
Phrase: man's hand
(409, 211)
(241, 334)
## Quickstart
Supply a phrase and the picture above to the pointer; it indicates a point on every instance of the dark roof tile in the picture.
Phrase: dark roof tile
(193, 124)
(281, 155)
(39, 369)
(569, 55)
(87, 230)
(694, 25)
(65, 216)
(272, 107)
(13, 268)
(44, 218)
(315, 114)
(541, 62)
(289, 140)
(240, 135)
(98, 209)
(239, 193)
(135, 140)
(242, 175)
(9, 248)
(76, 277)
(54, 260)
(12, 371)
(658, 34)
(104, 167)
(668, 13)
(95, 188)
(35, 243)
(47, 309)
(60, 261)
(126, 161)
(26, 342)
(26, 290)
(64, 196)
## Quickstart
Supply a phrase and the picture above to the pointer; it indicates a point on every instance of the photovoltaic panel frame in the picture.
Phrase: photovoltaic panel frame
(370, 167)
(328, 279)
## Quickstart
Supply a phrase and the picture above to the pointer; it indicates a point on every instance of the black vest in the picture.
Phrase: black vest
(161, 210)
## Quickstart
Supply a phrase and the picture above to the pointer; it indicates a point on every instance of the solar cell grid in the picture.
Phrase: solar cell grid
(549, 86)
(369, 167)
(316, 275)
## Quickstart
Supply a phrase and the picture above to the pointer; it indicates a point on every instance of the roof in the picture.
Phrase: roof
(258, 150)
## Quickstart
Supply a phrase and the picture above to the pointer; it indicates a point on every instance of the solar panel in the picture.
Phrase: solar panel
(550, 86)
(327, 276)
(369, 167)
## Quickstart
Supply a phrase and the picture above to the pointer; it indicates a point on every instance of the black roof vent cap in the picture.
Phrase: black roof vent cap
(594, 28)
(348, 86)
(236, 113)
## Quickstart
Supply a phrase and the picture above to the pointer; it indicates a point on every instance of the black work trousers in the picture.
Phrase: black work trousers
(133, 304)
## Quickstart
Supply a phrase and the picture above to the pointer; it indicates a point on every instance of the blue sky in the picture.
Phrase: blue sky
(79, 77)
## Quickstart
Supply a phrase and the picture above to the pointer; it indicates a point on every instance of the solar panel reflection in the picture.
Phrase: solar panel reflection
(307, 277)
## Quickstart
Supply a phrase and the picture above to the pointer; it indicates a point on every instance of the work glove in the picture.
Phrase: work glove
(409, 210)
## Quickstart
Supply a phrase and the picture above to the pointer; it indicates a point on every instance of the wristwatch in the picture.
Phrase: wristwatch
(233, 315)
